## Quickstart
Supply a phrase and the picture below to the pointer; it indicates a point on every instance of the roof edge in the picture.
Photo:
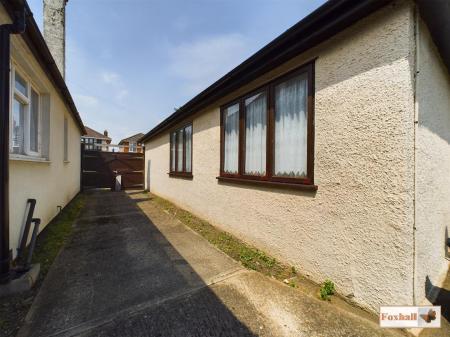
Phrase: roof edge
(323, 23)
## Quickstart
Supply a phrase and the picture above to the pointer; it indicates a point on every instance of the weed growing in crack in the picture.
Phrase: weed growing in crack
(326, 290)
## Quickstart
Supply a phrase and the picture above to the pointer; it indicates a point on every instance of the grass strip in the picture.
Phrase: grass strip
(56, 235)
(49, 242)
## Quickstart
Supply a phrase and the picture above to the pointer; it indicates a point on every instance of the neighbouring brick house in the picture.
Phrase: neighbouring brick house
(132, 144)
(329, 148)
(95, 140)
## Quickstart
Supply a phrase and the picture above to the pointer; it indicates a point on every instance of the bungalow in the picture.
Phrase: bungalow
(329, 148)
(44, 124)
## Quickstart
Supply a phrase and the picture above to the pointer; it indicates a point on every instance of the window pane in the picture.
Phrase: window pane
(172, 151)
(180, 150)
(231, 139)
(20, 84)
(34, 122)
(188, 135)
(17, 126)
(132, 147)
(255, 134)
(291, 125)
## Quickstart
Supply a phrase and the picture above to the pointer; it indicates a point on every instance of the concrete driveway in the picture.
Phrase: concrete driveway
(136, 271)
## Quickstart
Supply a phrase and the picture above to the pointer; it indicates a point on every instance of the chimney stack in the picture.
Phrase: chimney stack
(105, 133)
(55, 31)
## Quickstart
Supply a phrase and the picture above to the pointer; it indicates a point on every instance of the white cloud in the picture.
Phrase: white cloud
(110, 77)
(113, 79)
(201, 62)
(86, 101)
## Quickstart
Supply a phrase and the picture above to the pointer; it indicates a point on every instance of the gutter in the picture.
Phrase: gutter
(416, 126)
(435, 14)
(18, 27)
(325, 22)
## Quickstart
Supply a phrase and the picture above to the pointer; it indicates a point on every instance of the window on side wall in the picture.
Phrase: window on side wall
(181, 151)
(267, 135)
(26, 116)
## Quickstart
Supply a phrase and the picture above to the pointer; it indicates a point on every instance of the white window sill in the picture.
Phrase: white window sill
(21, 157)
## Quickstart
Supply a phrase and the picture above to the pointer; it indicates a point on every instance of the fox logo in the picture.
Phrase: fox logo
(431, 316)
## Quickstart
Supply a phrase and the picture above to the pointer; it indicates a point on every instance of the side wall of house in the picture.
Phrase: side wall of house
(432, 168)
(357, 228)
(53, 182)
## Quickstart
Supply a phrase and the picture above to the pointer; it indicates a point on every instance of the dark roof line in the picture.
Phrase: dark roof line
(35, 41)
(326, 21)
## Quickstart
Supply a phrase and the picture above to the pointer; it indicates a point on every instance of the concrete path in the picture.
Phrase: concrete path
(137, 271)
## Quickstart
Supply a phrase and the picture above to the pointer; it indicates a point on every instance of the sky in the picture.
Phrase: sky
(131, 63)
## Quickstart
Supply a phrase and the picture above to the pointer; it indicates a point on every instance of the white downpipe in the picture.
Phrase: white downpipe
(416, 126)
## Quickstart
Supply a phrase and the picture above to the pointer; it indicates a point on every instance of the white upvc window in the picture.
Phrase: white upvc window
(25, 117)
(133, 147)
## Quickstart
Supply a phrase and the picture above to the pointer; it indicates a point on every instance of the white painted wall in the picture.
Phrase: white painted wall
(54, 182)
(432, 167)
(358, 228)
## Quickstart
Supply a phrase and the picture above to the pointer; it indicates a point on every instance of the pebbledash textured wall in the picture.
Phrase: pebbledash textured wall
(357, 229)
(432, 168)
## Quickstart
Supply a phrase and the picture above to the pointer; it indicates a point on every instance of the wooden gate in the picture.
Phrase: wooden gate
(99, 169)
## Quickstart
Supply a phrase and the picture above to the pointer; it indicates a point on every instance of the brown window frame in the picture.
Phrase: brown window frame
(183, 173)
(269, 178)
